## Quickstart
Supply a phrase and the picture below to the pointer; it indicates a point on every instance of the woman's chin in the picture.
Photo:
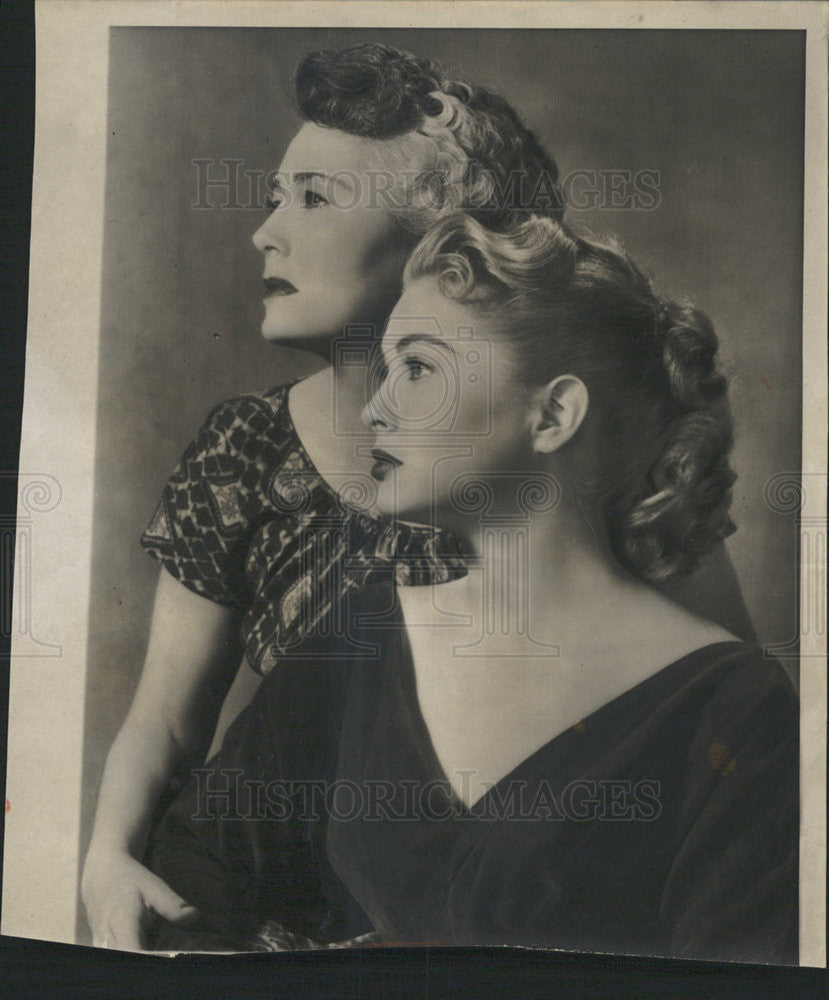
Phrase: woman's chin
(283, 333)
(283, 322)
(385, 505)
(390, 503)
(276, 332)
(302, 340)
(410, 513)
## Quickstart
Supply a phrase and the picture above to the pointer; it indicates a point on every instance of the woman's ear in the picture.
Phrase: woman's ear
(557, 411)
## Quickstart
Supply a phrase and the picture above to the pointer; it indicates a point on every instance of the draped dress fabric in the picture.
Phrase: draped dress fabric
(664, 823)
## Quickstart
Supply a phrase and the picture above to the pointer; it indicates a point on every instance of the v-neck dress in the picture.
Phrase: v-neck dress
(665, 822)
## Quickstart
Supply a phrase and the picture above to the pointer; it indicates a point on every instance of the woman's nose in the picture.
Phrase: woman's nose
(376, 415)
(271, 235)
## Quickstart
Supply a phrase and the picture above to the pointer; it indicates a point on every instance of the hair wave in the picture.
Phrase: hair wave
(482, 158)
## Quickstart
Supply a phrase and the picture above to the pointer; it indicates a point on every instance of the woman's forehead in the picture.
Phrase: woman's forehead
(316, 148)
(424, 309)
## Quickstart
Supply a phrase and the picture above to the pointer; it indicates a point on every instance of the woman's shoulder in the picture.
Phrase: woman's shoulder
(731, 891)
(676, 634)
(251, 428)
(742, 721)
(748, 683)
(717, 690)
(270, 402)
(742, 678)
(721, 671)
(243, 443)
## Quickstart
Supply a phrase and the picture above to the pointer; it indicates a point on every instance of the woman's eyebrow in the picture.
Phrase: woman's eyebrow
(338, 178)
(411, 338)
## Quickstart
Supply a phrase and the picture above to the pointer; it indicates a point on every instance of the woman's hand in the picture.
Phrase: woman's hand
(122, 897)
(192, 657)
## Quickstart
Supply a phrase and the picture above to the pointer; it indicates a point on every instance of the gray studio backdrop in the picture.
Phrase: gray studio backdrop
(718, 116)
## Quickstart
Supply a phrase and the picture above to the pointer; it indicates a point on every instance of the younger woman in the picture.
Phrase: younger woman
(546, 751)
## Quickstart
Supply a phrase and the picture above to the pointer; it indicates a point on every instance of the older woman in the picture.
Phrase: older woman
(546, 751)
(252, 530)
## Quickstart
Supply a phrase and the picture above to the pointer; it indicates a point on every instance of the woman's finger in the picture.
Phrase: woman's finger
(167, 903)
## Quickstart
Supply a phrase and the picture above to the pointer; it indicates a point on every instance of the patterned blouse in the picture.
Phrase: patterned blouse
(247, 521)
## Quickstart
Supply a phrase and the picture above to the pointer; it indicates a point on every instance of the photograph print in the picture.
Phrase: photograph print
(444, 556)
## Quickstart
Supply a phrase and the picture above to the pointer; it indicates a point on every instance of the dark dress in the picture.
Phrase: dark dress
(664, 823)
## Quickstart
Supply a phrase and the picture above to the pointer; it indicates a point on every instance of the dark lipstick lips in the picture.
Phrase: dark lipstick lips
(277, 286)
(383, 456)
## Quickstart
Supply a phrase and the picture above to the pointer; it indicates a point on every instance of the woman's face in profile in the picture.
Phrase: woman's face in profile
(333, 253)
(450, 406)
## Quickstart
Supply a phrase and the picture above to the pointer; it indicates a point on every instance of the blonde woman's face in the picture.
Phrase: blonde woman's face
(333, 253)
(449, 410)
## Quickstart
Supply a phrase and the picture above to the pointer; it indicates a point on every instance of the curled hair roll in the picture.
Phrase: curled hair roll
(682, 510)
(450, 109)
(689, 354)
(532, 254)
(483, 160)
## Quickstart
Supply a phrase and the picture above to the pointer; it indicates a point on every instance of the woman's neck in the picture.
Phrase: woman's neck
(337, 395)
(325, 409)
(551, 573)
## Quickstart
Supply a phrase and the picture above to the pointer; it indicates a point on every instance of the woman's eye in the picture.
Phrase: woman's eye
(313, 199)
(417, 369)
(272, 202)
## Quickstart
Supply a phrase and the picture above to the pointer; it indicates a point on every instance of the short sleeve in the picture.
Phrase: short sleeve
(732, 891)
(200, 531)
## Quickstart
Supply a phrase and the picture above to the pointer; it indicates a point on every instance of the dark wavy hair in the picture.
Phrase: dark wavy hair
(484, 160)
(573, 305)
